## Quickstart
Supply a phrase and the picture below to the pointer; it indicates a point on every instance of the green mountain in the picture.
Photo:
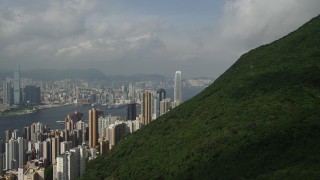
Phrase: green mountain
(258, 120)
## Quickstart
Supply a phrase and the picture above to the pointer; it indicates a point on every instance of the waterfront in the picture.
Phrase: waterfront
(51, 115)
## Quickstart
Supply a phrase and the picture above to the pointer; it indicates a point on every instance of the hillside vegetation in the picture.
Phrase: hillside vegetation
(258, 120)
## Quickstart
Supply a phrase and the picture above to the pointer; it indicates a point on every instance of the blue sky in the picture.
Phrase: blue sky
(202, 38)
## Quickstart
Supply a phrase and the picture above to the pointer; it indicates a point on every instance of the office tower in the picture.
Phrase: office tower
(165, 106)
(31, 95)
(83, 157)
(62, 167)
(131, 111)
(2, 146)
(46, 155)
(76, 162)
(161, 95)
(7, 93)
(71, 165)
(55, 148)
(21, 151)
(132, 90)
(146, 107)
(8, 135)
(93, 98)
(76, 137)
(80, 126)
(12, 154)
(1, 163)
(27, 133)
(94, 114)
(33, 132)
(16, 84)
(7, 155)
(77, 93)
(177, 87)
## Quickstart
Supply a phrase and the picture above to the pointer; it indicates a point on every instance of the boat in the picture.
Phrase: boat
(60, 122)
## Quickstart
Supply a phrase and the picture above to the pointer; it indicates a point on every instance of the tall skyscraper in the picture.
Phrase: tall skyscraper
(146, 107)
(62, 167)
(161, 95)
(83, 157)
(132, 90)
(2, 156)
(131, 111)
(76, 169)
(177, 87)
(21, 151)
(31, 94)
(16, 84)
(94, 114)
(8, 135)
(7, 93)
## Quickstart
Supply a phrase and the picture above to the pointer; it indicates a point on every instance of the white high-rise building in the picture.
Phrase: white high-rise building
(177, 87)
(7, 156)
(71, 165)
(104, 122)
(62, 167)
(16, 84)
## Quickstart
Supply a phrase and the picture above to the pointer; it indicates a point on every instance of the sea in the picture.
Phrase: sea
(52, 115)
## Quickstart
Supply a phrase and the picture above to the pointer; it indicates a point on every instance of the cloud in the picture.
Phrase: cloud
(112, 35)
(250, 23)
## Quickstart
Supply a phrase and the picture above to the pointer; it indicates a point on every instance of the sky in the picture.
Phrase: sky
(202, 38)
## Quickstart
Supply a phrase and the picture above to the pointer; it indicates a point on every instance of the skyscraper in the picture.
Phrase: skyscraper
(131, 111)
(177, 87)
(146, 107)
(62, 167)
(161, 95)
(31, 94)
(2, 156)
(7, 93)
(21, 151)
(16, 84)
(94, 114)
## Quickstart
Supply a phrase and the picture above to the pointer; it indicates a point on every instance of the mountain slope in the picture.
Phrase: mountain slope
(259, 120)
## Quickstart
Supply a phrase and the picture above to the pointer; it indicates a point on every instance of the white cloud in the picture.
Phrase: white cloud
(250, 23)
(51, 32)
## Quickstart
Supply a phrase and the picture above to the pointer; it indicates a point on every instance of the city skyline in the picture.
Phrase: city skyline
(201, 38)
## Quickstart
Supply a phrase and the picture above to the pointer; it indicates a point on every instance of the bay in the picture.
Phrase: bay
(51, 115)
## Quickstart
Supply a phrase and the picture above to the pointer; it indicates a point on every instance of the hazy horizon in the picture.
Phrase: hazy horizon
(200, 38)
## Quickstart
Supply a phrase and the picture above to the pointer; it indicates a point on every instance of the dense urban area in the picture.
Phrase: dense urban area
(39, 152)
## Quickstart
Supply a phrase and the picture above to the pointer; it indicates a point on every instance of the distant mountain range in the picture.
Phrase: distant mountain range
(88, 74)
